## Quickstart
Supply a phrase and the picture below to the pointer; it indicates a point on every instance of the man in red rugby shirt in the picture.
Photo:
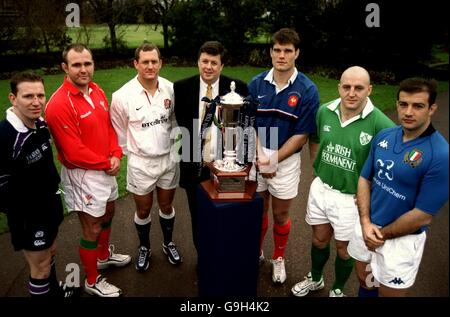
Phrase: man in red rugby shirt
(78, 118)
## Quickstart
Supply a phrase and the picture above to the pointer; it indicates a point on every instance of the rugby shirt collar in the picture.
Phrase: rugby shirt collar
(75, 90)
(18, 124)
(269, 77)
(334, 106)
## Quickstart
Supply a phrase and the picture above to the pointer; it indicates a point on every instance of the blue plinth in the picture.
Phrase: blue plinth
(228, 246)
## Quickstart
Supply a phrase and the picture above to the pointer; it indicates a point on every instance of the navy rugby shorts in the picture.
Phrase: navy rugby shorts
(34, 223)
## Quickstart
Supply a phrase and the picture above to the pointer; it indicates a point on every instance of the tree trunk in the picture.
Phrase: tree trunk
(111, 20)
(166, 35)
(112, 32)
(47, 46)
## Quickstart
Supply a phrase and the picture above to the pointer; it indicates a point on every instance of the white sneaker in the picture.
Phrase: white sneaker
(336, 293)
(278, 270)
(114, 259)
(102, 288)
(304, 287)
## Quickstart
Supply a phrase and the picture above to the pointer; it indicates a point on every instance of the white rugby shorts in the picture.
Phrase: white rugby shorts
(284, 185)
(88, 190)
(395, 264)
(327, 205)
(146, 173)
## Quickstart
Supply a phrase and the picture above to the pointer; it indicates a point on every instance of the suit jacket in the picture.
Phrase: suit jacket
(186, 110)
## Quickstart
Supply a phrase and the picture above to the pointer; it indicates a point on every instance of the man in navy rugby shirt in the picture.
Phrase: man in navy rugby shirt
(29, 181)
(288, 102)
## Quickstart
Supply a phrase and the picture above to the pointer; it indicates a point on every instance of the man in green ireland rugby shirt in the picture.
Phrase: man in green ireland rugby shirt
(345, 128)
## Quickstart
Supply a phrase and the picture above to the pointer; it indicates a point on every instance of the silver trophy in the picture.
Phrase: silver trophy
(228, 178)
(229, 113)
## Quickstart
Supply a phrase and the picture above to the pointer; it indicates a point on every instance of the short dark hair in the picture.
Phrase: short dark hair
(146, 47)
(23, 77)
(213, 48)
(286, 36)
(416, 84)
(77, 47)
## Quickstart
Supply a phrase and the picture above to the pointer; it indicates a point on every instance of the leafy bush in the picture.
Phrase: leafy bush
(259, 57)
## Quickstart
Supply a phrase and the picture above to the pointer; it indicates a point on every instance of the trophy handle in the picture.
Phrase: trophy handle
(218, 118)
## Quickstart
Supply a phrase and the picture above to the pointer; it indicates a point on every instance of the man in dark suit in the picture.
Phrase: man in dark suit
(189, 107)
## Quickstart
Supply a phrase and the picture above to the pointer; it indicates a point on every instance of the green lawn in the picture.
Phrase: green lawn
(440, 55)
(262, 38)
(133, 34)
(110, 80)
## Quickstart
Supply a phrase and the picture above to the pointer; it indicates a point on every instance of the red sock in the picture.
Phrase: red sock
(280, 237)
(88, 257)
(103, 244)
(264, 226)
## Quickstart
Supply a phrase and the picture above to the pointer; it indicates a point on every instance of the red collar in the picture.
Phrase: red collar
(73, 89)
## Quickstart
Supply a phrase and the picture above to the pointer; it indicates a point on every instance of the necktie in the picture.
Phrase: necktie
(209, 96)
(207, 146)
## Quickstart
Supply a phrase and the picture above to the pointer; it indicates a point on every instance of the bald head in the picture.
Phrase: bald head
(354, 88)
(356, 72)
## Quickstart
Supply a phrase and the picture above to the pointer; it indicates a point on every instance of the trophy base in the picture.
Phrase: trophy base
(229, 186)
(215, 195)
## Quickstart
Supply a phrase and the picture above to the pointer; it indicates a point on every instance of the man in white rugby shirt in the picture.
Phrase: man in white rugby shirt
(142, 115)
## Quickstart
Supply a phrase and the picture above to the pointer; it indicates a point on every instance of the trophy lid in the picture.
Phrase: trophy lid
(232, 98)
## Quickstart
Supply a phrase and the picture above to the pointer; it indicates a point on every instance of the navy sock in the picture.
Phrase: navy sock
(364, 292)
(144, 234)
(167, 228)
(54, 283)
(39, 287)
